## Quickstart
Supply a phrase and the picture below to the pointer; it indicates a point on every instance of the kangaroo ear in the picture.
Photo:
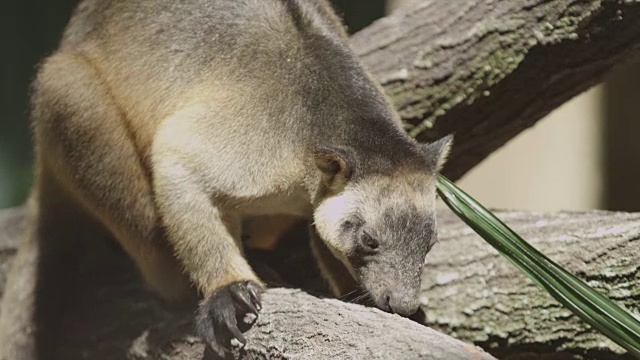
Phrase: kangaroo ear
(438, 151)
(337, 165)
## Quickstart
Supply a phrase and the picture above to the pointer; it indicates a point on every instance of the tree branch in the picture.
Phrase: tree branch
(112, 316)
(487, 70)
(477, 296)
(469, 292)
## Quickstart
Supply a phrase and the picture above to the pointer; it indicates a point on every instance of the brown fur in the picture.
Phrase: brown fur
(265, 232)
(168, 124)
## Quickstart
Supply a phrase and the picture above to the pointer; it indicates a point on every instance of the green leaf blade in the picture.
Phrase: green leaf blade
(591, 306)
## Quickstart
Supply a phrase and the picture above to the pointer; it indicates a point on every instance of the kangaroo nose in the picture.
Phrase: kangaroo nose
(401, 303)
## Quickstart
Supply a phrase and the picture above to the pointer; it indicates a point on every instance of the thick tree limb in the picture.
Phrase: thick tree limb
(476, 295)
(111, 316)
(469, 292)
(486, 70)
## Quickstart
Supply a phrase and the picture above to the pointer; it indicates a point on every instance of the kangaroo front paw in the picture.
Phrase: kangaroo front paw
(223, 313)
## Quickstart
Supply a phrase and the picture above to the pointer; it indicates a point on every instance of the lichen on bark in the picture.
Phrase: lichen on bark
(487, 70)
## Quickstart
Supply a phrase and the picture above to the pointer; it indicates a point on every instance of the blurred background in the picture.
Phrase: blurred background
(582, 156)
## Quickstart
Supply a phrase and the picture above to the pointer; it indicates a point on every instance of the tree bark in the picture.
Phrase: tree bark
(486, 70)
(469, 292)
(111, 316)
(474, 294)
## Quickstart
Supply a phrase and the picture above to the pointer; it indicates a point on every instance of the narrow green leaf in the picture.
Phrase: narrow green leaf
(591, 306)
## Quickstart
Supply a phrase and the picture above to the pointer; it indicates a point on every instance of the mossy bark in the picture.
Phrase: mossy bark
(486, 70)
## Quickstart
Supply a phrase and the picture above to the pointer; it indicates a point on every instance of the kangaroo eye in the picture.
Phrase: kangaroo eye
(368, 242)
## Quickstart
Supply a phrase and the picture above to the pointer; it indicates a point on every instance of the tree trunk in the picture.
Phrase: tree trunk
(486, 70)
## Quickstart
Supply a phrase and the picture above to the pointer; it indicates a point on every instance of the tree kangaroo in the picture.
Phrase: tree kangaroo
(170, 123)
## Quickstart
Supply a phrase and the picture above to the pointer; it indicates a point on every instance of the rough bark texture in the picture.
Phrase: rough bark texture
(475, 295)
(112, 316)
(486, 70)
(469, 292)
